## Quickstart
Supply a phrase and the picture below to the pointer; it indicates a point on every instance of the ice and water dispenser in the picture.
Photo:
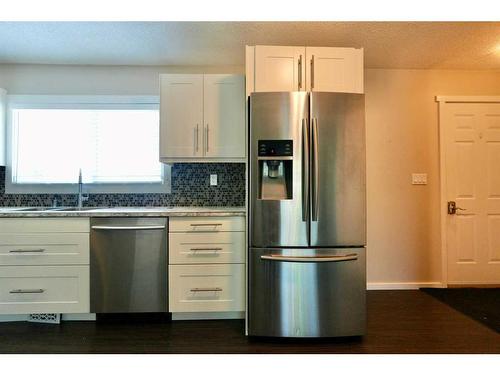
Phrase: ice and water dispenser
(275, 169)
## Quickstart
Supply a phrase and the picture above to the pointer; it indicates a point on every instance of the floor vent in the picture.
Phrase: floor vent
(45, 318)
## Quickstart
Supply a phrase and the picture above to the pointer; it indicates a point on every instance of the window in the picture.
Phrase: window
(113, 140)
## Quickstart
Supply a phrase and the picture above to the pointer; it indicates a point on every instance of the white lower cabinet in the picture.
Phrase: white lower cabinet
(44, 265)
(44, 289)
(26, 249)
(207, 224)
(207, 265)
(207, 288)
(223, 247)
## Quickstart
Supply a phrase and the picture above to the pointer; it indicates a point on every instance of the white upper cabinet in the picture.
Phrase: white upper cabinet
(202, 117)
(181, 115)
(286, 68)
(279, 68)
(224, 116)
(334, 69)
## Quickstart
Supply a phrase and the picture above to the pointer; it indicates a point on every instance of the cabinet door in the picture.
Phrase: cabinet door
(279, 68)
(224, 116)
(181, 115)
(334, 69)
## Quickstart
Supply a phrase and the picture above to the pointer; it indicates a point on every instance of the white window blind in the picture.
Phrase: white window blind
(109, 145)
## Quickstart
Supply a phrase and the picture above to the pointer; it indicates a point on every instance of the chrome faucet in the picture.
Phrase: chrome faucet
(81, 197)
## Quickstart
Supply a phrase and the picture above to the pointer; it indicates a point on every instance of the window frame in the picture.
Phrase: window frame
(79, 102)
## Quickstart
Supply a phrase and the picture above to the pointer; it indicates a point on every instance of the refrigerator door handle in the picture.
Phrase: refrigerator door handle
(315, 171)
(305, 171)
(310, 259)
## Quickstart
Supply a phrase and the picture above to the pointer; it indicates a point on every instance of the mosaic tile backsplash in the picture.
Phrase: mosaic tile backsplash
(190, 187)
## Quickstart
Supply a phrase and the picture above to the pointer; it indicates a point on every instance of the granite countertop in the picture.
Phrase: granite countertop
(125, 212)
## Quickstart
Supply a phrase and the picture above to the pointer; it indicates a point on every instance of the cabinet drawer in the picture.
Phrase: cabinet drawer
(51, 289)
(44, 249)
(205, 288)
(222, 247)
(207, 224)
(45, 225)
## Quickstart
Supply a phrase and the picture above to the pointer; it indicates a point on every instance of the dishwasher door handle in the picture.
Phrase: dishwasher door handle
(138, 227)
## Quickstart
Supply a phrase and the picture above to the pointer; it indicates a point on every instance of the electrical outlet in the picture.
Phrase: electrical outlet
(419, 178)
(213, 180)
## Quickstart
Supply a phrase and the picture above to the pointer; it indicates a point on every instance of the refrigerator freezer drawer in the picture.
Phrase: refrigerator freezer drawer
(307, 292)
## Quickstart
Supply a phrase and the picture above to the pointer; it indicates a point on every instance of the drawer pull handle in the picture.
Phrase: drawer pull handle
(27, 251)
(206, 248)
(26, 291)
(205, 225)
(206, 290)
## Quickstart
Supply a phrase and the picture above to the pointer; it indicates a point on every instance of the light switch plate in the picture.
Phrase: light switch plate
(419, 178)
(213, 180)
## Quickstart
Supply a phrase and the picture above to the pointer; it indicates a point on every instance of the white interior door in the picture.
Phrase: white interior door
(333, 69)
(181, 115)
(224, 116)
(279, 68)
(470, 142)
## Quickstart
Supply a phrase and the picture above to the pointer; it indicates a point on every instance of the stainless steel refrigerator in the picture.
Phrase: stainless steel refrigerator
(307, 227)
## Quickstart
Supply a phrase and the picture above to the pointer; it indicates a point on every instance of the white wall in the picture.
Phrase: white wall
(402, 137)
(99, 80)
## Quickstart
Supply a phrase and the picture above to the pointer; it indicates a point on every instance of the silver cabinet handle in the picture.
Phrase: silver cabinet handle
(300, 72)
(27, 291)
(206, 139)
(27, 251)
(305, 171)
(196, 139)
(315, 172)
(205, 224)
(206, 289)
(309, 259)
(312, 72)
(143, 227)
(206, 248)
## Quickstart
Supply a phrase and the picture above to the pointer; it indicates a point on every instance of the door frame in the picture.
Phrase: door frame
(443, 100)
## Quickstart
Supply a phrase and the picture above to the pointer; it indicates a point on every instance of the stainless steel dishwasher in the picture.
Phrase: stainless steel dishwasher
(128, 265)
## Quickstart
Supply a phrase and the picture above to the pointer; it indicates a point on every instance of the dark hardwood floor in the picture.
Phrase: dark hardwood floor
(398, 322)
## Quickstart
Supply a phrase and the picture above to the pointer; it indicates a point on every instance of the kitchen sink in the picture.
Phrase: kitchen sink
(28, 209)
(47, 209)
(77, 209)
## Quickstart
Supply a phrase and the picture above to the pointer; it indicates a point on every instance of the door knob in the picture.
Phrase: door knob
(452, 208)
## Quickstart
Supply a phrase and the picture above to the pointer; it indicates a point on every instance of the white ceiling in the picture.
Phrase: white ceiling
(420, 45)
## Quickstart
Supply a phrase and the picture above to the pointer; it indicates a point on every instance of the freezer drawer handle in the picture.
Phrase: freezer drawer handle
(206, 290)
(206, 248)
(26, 291)
(310, 259)
(27, 251)
(143, 227)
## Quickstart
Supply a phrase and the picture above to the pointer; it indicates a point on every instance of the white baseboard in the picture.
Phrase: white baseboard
(405, 286)
(14, 317)
(209, 315)
(81, 317)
